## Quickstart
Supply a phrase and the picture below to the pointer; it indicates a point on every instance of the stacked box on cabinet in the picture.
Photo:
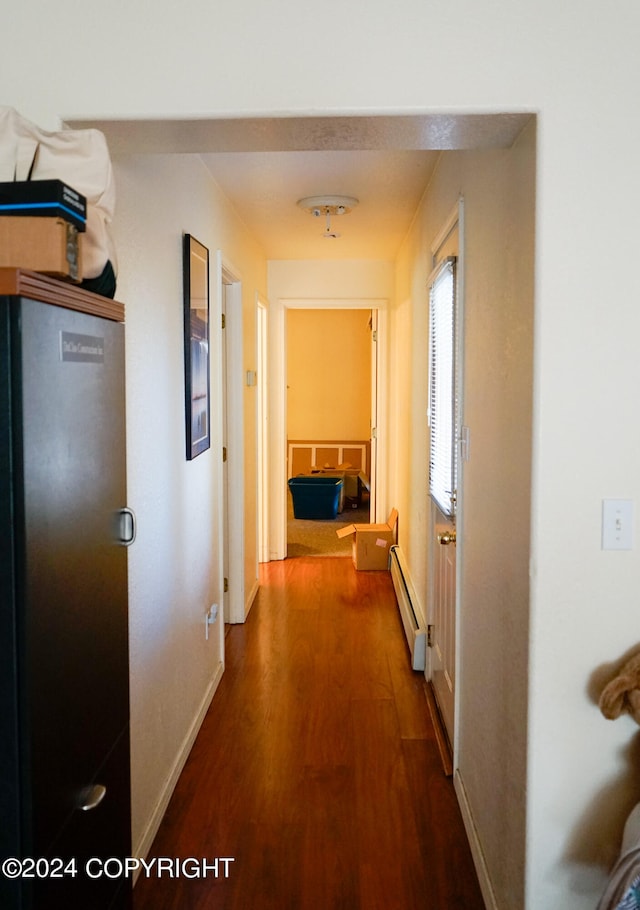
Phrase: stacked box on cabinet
(41, 226)
(48, 245)
(43, 198)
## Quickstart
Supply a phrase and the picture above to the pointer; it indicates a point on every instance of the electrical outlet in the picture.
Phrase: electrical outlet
(209, 618)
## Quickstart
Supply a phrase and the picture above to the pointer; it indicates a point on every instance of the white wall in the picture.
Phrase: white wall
(173, 566)
(578, 68)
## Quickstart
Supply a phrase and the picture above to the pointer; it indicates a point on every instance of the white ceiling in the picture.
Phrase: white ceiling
(264, 165)
(264, 187)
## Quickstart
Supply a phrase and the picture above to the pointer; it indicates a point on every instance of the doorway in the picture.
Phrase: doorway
(328, 427)
(376, 433)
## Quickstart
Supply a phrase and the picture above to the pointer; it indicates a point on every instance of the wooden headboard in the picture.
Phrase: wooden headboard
(303, 455)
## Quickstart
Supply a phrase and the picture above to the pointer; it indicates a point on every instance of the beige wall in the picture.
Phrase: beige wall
(328, 375)
(173, 567)
(338, 280)
(498, 189)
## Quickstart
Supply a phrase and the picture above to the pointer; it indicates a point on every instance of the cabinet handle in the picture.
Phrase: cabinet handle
(91, 797)
(128, 527)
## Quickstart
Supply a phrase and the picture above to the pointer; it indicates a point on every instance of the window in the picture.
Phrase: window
(443, 467)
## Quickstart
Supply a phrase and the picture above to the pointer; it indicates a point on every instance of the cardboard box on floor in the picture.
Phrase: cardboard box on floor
(371, 542)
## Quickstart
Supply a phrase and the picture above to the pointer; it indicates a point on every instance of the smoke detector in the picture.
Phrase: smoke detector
(328, 206)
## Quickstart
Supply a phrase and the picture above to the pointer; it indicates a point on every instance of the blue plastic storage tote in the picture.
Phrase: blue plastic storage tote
(315, 496)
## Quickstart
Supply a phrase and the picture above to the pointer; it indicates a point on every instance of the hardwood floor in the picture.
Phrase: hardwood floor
(317, 768)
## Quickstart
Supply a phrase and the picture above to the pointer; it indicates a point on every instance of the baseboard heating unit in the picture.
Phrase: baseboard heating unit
(414, 627)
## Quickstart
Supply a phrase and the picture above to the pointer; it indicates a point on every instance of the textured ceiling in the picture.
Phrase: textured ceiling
(265, 187)
(264, 165)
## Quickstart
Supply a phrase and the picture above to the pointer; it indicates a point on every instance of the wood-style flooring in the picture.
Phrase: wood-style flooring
(317, 768)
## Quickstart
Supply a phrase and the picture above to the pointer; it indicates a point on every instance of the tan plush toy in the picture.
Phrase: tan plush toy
(622, 694)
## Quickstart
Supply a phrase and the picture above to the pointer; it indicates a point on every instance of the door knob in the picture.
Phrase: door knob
(446, 538)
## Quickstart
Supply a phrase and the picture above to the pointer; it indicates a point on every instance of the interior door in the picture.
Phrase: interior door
(443, 660)
(445, 410)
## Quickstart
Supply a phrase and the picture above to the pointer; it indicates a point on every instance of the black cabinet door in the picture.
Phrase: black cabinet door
(65, 573)
(93, 846)
(74, 624)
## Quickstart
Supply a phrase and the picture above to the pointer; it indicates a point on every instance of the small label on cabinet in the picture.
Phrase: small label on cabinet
(81, 348)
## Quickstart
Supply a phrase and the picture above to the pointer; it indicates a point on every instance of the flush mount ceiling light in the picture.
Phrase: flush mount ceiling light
(328, 206)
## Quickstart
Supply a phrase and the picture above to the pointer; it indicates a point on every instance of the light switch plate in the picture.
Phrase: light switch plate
(617, 524)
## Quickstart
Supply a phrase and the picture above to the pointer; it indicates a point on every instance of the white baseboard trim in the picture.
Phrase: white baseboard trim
(142, 848)
(474, 843)
(253, 593)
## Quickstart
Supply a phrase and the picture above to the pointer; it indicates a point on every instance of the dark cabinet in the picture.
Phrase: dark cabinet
(64, 527)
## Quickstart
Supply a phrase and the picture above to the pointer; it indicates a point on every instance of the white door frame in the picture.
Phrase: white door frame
(375, 372)
(278, 408)
(227, 275)
(262, 427)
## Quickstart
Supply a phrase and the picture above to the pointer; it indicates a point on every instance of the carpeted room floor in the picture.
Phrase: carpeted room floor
(307, 537)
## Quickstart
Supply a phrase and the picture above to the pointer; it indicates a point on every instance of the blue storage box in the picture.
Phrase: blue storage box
(315, 496)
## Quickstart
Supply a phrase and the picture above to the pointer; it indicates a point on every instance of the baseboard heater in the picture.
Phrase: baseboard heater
(414, 628)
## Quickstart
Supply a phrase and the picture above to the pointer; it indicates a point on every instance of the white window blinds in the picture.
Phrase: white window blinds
(442, 387)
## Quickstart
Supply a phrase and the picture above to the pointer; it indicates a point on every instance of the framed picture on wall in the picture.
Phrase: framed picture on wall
(196, 345)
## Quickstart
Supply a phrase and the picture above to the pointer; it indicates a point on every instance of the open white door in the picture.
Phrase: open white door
(443, 660)
(445, 408)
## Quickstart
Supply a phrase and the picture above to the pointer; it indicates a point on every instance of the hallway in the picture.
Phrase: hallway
(316, 768)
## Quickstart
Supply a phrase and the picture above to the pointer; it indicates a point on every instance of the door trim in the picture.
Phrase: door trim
(278, 408)
(262, 428)
(227, 275)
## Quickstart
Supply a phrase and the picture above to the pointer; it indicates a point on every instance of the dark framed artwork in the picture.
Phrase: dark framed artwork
(196, 345)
